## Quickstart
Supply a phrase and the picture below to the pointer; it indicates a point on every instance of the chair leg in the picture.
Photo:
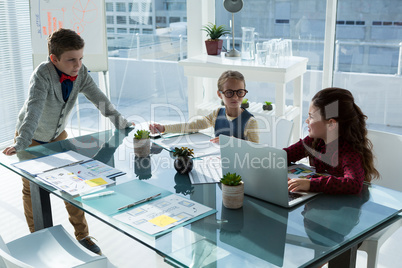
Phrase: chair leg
(373, 250)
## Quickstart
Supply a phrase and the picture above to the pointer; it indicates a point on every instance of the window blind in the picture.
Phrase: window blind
(15, 64)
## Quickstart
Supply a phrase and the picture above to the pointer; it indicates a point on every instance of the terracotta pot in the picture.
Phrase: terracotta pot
(142, 147)
(233, 196)
(183, 165)
(214, 47)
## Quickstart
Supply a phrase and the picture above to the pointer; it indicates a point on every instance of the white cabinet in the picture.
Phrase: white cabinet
(201, 101)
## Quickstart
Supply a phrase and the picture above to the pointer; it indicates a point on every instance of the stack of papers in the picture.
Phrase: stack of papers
(70, 172)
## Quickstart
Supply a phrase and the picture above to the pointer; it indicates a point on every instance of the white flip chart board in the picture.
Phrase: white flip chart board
(86, 17)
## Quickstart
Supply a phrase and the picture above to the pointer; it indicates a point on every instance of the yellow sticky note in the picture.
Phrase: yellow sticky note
(96, 182)
(162, 220)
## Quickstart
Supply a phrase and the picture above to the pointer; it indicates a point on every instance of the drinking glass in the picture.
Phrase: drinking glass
(262, 53)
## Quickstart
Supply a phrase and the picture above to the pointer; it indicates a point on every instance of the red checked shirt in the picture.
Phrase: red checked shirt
(340, 160)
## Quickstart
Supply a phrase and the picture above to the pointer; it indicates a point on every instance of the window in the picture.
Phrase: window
(371, 47)
(133, 7)
(134, 30)
(174, 19)
(109, 7)
(109, 20)
(160, 19)
(121, 30)
(134, 20)
(121, 7)
(15, 64)
(121, 19)
(110, 30)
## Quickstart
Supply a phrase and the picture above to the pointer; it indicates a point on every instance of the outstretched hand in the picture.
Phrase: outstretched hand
(9, 151)
(214, 140)
(156, 128)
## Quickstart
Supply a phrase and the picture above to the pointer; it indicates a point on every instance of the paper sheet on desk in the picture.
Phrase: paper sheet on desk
(124, 194)
(42, 164)
(206, 170)
(162, 214)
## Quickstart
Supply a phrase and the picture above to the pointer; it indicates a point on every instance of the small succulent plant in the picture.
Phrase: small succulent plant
(141, 134)
(183, 152)
(231, 179)
(267, 102)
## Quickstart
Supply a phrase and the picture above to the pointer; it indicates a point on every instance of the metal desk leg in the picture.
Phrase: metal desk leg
(346, 259)
(41, 208)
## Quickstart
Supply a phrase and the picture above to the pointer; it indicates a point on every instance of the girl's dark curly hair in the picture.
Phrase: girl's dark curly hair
(338, 104)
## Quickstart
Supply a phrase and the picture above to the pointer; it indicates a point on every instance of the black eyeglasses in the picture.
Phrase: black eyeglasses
(229, 93)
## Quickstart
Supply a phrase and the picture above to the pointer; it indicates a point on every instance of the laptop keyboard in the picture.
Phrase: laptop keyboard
(293, 196)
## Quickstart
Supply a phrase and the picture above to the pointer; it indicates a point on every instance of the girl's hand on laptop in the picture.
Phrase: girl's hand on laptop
(214, 140)
(298, 185)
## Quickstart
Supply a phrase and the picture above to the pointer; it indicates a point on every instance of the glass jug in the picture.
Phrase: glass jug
(247, 46)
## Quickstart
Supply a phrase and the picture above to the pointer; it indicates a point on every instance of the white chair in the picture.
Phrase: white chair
(388, 152)
(274, 131)
(51, 247)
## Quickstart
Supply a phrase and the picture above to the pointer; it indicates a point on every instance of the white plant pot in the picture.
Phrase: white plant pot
(142, 147)
(233, 196)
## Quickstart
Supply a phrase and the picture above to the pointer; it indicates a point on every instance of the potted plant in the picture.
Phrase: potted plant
(142, 143)
(232, 190)
(183, 162)
(267, 106)
(213, 43)
(245, 104)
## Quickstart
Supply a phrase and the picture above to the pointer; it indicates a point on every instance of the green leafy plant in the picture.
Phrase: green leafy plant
(183, 152)
(215, 32)
(267, 102)
(244, 101)
(231, 179)
(141, 134)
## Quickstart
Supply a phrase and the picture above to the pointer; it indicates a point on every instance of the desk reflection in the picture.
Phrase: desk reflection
(239, 228)
(329, 219)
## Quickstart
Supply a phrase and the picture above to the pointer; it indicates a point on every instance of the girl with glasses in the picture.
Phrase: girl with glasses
(232, 120)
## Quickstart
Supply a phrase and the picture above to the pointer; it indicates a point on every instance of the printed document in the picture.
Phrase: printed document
(161, 214)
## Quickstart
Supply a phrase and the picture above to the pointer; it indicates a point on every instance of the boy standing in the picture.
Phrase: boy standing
(54, 88)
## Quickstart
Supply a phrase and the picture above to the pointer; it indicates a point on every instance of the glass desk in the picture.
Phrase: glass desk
(325, 228)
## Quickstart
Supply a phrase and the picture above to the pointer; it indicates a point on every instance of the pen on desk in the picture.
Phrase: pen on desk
(139, 202)
(160, 134)
(97, 195)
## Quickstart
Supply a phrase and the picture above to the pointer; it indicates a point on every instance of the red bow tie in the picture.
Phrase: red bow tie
(67, 77)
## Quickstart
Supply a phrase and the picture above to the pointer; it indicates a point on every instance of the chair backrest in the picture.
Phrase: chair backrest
(8, 261)
(60, 249)
(274, 131)
(387, 149)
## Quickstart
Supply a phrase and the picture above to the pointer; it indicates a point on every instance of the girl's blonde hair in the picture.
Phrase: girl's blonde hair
(230, 75)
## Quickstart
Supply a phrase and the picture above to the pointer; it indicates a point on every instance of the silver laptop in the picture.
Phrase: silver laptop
(263, 169)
